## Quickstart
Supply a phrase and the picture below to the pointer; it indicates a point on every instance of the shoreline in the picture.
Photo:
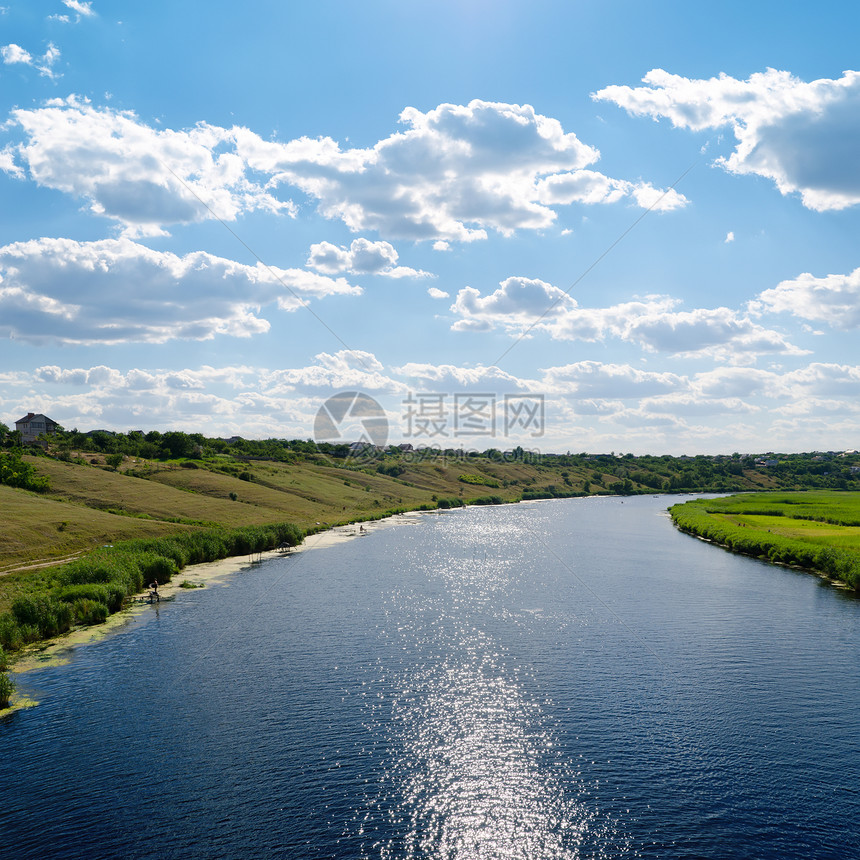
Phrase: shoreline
(58, 651)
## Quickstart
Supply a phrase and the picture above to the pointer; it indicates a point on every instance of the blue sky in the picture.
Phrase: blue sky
(642, 217)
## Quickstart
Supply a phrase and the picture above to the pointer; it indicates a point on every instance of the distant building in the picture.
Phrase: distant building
(31, 426)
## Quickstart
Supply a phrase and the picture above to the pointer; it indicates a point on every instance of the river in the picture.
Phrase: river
(565, 679)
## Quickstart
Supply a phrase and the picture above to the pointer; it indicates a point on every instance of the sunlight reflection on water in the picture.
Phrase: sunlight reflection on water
(474, 768)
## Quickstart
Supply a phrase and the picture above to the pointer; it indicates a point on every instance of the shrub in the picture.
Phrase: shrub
(4, 660)
(10, 633)
(481, 480)
(7, 687)
(158, 568)
(90, 611)
(111, 594)
(48, 617)
(487, 500)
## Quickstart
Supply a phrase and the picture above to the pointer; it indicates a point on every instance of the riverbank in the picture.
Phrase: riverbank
(59, 650)
(814, 532)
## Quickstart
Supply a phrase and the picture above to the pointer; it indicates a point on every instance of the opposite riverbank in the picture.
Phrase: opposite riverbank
(816, 532)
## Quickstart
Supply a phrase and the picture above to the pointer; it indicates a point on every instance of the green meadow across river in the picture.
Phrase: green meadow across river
(817, 531)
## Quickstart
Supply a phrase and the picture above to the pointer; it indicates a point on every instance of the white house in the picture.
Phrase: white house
(31, 426)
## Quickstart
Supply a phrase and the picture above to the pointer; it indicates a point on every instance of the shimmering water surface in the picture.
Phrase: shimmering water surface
(570, 679)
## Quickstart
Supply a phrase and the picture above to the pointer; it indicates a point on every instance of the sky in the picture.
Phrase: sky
(569, 226)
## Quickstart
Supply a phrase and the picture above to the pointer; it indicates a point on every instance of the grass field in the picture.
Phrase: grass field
(819, 531)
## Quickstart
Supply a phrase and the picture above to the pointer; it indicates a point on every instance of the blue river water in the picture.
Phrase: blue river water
(566, 679)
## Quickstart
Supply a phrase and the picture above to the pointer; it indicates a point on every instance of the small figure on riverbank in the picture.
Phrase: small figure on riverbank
(153, 592)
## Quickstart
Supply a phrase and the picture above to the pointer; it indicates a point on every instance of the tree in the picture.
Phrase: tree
(177, 444)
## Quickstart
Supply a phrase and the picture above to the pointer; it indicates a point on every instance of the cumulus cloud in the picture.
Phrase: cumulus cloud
(362, 257)
(116, 290)
(586, 186)
(719, 332)
(7, 164)
(343, 370)
(833, 299)
(436, 293)
(456, 172)
(453, 378)
(15, 54)
(141, 177)
(517, 304)
(12, 54)
(525, 306)
(594, 379)
(801, 135)
(84, 9)
(737, 382)
(824, 380)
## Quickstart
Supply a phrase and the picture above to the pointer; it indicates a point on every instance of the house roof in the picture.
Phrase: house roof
(31, 415)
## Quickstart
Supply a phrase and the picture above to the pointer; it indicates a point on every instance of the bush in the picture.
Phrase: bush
(10, 633)
(7, 687)
(156, 568)
(90, 611)
(111, 594)
(487, 500)
(481, 480)
(40, 613)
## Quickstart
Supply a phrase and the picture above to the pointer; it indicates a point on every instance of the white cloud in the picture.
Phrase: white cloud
(593, 379)
(450, 378)
(720, 332)
(730, 237)
(456, 172)
(141, 177)
(12, 53)
(834, 299)
(344, 370)
(693, 406)
(362, 257)
(824, 380)
(84, 9)
(15, 54)
(587, 186)
(436, 293)
(800, 135)
(116, 291)
(527, 306)
(7, 164)
(737, 382)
